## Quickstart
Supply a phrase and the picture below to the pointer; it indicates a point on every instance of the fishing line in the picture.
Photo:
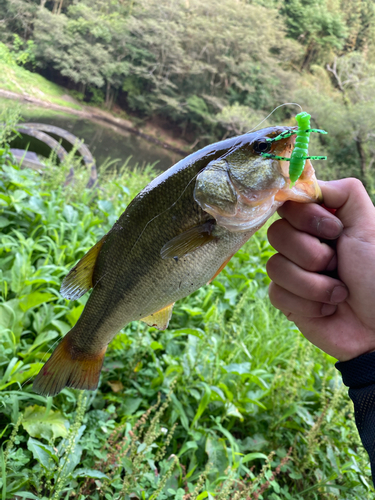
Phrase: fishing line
(166, 210)
(280, 106)
(42, 360)
(173, 204)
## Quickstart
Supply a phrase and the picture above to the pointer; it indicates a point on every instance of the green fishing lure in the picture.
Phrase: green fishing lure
(300, 152)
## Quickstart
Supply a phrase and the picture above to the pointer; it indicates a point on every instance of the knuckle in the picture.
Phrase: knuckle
(273, 293)
(315, 263)
(275, 232)
(319, 259)
(273, 265)
(311, 258)
(316, 293)
(356, 185)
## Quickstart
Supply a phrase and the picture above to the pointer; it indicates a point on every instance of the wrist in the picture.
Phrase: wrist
(353, 355)
(358, 372)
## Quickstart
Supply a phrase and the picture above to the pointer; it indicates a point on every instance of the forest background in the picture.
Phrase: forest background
(207, 70)
(230, 402)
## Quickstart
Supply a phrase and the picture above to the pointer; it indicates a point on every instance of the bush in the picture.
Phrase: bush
(230, 402)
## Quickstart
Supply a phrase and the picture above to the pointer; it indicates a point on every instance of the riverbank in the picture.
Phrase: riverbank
(22, 85)
(150, 132)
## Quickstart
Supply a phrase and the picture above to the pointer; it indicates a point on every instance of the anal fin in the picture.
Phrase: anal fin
(79, 279)
(67, 368)
(160, 319)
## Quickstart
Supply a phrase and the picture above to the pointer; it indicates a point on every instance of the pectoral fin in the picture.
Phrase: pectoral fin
(160, 319)
(188, 241)
(79, 279)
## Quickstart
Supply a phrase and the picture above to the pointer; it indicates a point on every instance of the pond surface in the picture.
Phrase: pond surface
(106, 142)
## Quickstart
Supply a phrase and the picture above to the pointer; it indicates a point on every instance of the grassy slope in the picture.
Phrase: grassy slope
(17, 79)
(239, 385)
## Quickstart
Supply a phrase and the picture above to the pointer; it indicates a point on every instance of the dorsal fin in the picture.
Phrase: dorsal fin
(160, 319)
(79, 279)
(188, 241)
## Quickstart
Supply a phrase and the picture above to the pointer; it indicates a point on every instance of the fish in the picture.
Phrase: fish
(175, 236)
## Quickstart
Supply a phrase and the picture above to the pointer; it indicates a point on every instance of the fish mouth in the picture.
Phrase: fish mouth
(306, 189)
(254, 194)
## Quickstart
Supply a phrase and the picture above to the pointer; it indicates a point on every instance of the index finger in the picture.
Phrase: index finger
(353, 204)
(312, 219)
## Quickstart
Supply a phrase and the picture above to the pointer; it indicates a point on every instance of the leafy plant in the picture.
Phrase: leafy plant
(230, 402)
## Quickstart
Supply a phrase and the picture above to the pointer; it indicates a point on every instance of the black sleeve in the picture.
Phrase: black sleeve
(359, 375)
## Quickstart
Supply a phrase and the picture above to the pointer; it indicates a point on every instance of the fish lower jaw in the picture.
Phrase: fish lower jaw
(304, 191)
(249, 217)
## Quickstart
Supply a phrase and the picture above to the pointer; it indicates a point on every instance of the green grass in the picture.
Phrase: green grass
(18, 79)
(230, 402)
(30, 112)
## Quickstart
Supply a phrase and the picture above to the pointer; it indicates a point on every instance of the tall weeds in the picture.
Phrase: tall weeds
(209, 408)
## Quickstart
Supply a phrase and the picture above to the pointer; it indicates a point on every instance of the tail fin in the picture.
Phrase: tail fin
(68, 368)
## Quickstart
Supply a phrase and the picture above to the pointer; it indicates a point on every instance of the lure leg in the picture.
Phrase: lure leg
(314, 157)
(274, 157)
(283, 135)
(288, 133)
(317, 130)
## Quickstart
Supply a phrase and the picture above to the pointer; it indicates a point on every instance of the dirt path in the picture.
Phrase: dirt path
(92, 114)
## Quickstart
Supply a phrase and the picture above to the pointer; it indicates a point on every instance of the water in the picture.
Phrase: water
(104, 141)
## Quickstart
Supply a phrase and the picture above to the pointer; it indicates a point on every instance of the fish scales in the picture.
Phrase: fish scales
(174, 237)
(140, 235)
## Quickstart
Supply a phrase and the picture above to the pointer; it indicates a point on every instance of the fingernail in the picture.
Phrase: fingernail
(328, 309)
(332, 264)
(339, 294)
(329, 228)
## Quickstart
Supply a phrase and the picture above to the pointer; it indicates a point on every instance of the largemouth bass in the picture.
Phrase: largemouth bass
(175, 236)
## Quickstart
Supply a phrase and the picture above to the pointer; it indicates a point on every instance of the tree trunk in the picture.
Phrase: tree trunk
(108, 95)
(82, 89)
(308, 55)
(60, 6)
(362, 158)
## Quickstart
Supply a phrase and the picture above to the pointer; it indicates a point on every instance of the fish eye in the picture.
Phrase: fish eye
(261, 146)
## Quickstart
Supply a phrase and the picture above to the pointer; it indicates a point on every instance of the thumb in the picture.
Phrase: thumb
(352, 203)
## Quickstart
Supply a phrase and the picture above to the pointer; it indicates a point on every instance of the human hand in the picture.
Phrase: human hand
(337, 315)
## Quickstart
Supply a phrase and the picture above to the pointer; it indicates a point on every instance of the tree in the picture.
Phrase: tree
(360, 20)
(319, 25)
(193, 59)
(80, 46)
(347, 112)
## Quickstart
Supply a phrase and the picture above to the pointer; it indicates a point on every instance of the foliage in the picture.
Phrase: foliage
(319, 25)
(23, 51)
(348, 113)
(183, 61)
(207, 70)
(18, 79)
(230, 402)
